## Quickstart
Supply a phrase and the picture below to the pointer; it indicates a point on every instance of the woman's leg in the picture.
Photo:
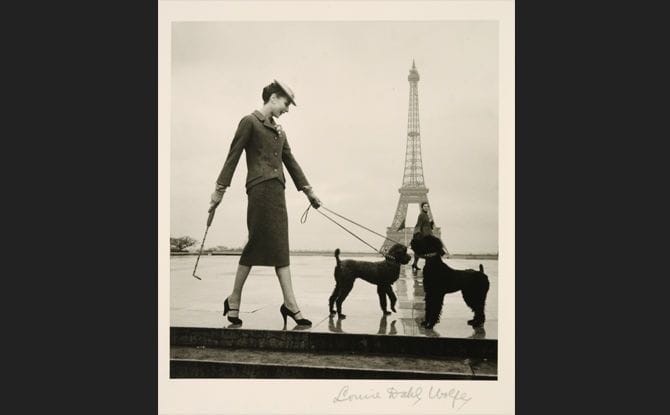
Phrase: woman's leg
(235, 299)
(284, 275)
(415, 264)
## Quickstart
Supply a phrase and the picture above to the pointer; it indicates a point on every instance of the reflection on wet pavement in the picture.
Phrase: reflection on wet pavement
(195, 303)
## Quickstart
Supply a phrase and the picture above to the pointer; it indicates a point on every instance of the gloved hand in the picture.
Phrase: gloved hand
(313, 200)
(217, 196)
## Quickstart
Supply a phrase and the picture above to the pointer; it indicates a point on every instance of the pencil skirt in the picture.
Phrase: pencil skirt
(267, 223)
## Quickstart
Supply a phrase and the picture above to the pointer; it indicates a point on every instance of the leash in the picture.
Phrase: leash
(303, 219)
(358, 224)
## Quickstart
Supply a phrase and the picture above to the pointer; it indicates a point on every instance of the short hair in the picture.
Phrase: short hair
(274, 88)
(424, 203)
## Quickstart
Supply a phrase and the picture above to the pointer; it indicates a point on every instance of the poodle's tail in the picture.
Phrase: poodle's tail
(337, 256)
(481, 268)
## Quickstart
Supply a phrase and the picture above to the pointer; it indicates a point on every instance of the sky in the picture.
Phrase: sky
(349, 129)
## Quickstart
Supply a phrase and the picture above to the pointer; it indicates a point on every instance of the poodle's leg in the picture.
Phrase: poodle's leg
(475, 298)
(344, 292)
(381, 293)
(438, 307)
(430, 311)
(470, 299)
(333, 297)
(392, 297)
(480, 317)
(433, 309)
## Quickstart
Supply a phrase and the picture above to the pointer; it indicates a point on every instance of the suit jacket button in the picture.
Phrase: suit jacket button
(275, 169)
(275, 153)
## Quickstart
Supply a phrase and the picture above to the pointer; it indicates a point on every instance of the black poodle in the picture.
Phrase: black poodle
(382, 274)
(440, 279)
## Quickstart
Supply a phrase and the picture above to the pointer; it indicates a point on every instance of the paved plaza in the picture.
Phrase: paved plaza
(199, 303)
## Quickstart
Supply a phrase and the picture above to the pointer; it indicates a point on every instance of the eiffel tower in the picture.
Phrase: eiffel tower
(413, 188)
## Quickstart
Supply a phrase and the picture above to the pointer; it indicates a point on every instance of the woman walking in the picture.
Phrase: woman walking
(266, 148)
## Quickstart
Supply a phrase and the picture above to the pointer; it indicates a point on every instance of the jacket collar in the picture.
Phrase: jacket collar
(265, 120)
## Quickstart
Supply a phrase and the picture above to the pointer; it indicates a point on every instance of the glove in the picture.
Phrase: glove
(217, 195)
(313, 200)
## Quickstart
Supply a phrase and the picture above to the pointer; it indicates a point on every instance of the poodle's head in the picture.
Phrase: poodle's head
(399, 253)
(426, 245)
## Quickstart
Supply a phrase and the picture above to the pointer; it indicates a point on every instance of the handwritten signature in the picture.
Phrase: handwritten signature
(415, 394)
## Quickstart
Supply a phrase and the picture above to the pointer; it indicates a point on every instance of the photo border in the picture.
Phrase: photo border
(298, 396)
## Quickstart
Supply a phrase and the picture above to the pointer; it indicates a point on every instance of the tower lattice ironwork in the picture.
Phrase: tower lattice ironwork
(413, 189)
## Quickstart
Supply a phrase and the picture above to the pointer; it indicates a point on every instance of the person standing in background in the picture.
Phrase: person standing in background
(424, 226)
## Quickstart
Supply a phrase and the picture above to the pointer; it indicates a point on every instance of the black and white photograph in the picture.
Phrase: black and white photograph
(333, 190)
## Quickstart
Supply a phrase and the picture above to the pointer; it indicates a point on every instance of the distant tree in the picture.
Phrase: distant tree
(218, 248)
(180, 244)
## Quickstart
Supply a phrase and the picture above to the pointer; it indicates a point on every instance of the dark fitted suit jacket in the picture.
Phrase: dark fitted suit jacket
(423, 225)
(266, 148)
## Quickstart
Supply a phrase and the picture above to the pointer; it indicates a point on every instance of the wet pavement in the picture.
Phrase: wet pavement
(199, 303)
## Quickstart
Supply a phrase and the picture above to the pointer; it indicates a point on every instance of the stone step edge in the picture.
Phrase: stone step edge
(290, 340)
(408, 373)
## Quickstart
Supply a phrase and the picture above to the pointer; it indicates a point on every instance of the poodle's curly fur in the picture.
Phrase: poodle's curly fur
(382, 274)
(440, 279)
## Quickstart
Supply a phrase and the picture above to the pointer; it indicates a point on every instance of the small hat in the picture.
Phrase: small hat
(288, 91)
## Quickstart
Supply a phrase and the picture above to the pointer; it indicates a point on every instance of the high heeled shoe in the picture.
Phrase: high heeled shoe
(226, 309)
(286, 312)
